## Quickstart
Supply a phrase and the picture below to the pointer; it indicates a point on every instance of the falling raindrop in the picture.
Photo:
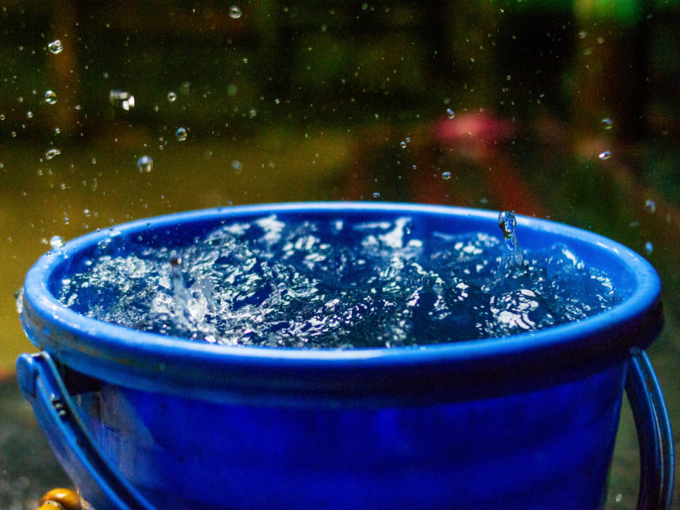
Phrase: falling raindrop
(123, 99)
(145, 164)
(236, 166)
(50, 97)
(56, 242)
(650, 206)
(450, 113)
(181, 134)
(649, 248)
(86, 212)
(403, 145)
(235, 12)
(52, 153)
(376, 195)
(55, 46)
(446, 176)
(607, 123)
(172, 96)
(605, 155)
(29, 114)
(2, 117)
(252, 112)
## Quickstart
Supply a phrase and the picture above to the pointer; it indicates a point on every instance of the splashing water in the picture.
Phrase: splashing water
(334, 283)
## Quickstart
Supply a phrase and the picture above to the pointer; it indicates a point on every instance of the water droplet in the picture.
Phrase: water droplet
(236, 166)
(364, 6)
(172, 96)
(650, 206)
(450, 113)
(181, 134)
(29, 114)
(232, 89)
(649, 248)
(403, 145)
(50, 97)
(52, 153)
(121, 98)
(145, 164)
(235, 12)
(55, 46)
(2, 117)
(605, 155)
(508, 77)
(252, 112)
(607, 123)
(57, 131)
(446, 176)
(376, 195)
(56, 242)
(86, 212)
(582, 34)
(377, 116)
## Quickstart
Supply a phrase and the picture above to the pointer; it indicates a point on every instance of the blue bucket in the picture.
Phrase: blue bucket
(142, 421)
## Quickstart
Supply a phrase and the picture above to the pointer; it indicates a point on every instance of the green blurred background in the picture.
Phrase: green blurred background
(566, 109)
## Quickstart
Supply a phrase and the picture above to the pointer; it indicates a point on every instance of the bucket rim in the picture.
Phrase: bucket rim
(97, 348)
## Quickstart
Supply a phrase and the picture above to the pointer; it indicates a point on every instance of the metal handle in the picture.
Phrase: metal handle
(42, 386)
(73, 445)
(655, 437)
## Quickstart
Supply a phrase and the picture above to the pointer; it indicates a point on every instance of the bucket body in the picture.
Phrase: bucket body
(526, 422)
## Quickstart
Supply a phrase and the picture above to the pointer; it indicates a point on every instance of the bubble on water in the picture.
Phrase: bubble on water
(450, 113)
(50, 97)
(181, 134)
(605, 155)
(55, 46)
(172, 97)
(121, 98)
(376, 195)
(236, 166)
(29, 114)
(403, 145)
(56, 242)
(649, 248)
(650, 206)
(446, 176)
(235, 12)
(145, 164)
(607, 123)
(52, 153)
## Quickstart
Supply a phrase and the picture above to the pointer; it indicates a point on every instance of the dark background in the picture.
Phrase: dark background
(298, 101)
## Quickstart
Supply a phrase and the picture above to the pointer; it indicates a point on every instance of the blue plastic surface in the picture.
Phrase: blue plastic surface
(527, 421)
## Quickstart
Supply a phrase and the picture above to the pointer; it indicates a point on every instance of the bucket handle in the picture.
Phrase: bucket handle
(73, 445)
(76, 450)
(653, 426)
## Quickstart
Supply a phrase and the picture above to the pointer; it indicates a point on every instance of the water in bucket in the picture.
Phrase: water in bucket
(338, 284)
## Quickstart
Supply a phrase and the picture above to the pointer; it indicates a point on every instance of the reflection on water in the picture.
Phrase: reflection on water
(566, 110)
